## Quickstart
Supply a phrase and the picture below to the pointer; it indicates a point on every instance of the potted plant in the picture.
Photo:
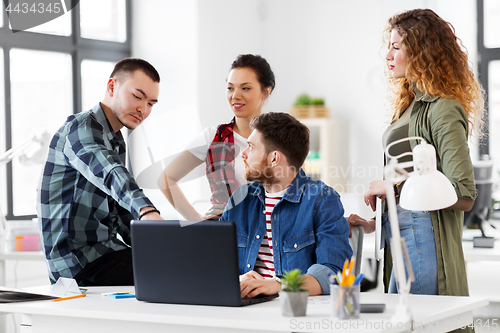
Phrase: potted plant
(306, 106)
(292, 297)
(303, 100)
(318, 101)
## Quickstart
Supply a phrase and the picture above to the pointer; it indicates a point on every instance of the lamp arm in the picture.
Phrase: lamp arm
(396, 249)
(5, 158)
(403, 310)
(399, 141)
(13, 152)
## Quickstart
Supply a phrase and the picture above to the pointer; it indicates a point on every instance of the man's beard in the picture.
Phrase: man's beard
(262, 173)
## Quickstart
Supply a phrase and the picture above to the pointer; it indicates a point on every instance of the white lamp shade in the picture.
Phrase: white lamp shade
(427, 192)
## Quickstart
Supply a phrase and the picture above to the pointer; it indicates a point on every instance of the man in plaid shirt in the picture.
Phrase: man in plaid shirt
(86, 196)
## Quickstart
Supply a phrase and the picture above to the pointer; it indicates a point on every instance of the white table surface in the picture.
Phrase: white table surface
(97, 313)
(473, 254)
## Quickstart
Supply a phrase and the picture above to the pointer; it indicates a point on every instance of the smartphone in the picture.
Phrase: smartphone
(372, 307)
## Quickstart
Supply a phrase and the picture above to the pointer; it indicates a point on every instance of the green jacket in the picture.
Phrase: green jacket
(443, 123)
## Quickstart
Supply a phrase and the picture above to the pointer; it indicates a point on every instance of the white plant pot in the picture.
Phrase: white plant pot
(293, 304)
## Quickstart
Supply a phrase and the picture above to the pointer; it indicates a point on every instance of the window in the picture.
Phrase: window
(491, 18)
(494, 108)
(40, 86)
(60, 26)
(104, 20)
(51, 71)
(95, 75)
(488, 12)
(3, 174)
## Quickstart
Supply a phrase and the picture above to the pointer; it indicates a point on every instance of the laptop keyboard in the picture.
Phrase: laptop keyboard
(257, 299)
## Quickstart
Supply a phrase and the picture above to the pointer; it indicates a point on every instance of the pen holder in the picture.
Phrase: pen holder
(345, 301)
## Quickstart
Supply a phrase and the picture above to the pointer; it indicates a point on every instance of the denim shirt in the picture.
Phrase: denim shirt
(308, 228)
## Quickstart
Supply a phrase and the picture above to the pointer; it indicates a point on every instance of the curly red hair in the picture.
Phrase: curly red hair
(437, 64)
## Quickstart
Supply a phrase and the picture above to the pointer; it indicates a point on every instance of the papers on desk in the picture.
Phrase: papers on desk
(17, 295)
(63, 289)
(319, 301)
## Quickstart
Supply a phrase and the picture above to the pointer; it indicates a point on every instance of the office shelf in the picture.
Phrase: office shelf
(328, 158)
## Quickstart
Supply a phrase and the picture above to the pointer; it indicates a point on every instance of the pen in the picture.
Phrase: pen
(118, 293)
(127, 295)
(71, 297)
(351, 265)
(332, 278)
(358, 279)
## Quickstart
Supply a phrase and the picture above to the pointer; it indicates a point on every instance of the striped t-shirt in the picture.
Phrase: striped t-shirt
(264, 265)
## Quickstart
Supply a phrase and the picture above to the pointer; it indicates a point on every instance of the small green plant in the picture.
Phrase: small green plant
(292, 281)
(303, 100)
(318, 101)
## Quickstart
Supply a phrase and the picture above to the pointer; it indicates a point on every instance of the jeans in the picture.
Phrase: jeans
(417, 231)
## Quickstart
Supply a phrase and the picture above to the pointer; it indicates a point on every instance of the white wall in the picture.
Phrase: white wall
(166, 34)
(327, 48)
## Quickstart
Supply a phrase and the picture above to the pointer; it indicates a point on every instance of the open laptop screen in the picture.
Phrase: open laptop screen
(186, 262)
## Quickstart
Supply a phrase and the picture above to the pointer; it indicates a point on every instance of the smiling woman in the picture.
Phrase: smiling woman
(249, 84)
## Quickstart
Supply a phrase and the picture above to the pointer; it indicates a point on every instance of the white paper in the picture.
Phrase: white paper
(319, 301)
(64, 287)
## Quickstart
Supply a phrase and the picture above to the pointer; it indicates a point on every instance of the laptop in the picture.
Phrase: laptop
(187, 263)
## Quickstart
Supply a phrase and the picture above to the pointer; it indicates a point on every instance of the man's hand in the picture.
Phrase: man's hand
(214, 213)
(153, 216)
(253, 287)
(368, 226)
(252, 275)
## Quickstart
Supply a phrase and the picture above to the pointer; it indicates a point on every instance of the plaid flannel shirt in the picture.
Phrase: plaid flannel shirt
(220, 164)
(86, 196)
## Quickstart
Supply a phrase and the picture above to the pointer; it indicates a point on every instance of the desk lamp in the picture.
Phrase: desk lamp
(425, 189)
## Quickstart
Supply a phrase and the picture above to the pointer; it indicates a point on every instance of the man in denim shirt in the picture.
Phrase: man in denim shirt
(284, 219)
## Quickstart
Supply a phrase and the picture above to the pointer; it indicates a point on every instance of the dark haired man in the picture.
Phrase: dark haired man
(284, 219)
(86, 196)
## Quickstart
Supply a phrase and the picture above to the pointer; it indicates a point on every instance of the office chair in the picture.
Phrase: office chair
(356, 242)
(481, 209)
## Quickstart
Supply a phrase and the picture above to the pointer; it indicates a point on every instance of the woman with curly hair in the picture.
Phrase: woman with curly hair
(434, 95)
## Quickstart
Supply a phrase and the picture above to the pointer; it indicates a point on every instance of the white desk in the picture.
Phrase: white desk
(472, 253)
(96, 313)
